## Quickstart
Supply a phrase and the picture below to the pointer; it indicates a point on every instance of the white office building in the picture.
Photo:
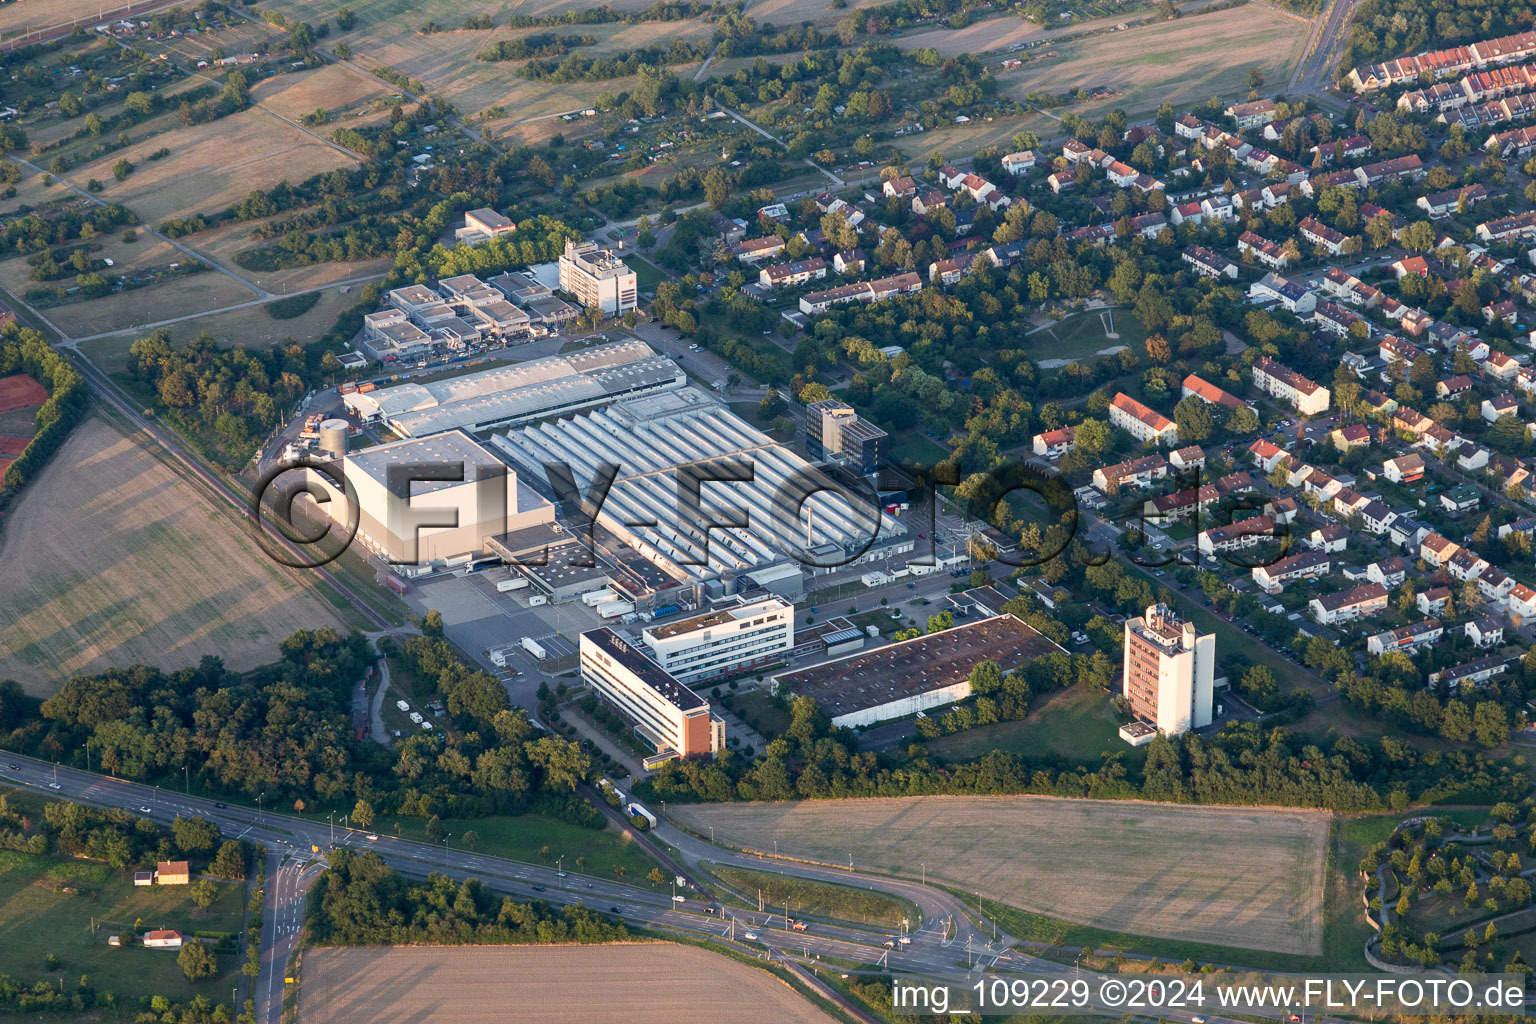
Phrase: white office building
(598, 278)
(725, 642)
(662, 709)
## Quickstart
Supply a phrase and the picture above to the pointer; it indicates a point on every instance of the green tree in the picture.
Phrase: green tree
(204, 893)
(362, 812)
(197, 961)
(195, 834)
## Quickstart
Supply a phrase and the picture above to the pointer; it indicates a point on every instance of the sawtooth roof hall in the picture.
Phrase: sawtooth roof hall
(649, 438)
(520, 392)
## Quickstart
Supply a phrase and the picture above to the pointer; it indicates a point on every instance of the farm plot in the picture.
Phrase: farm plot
(1243, 877)
(211, 166)
(1169, 61)
(641, 984)
(112, 559)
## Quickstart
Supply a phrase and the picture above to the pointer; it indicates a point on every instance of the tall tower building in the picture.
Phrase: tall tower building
(1170, 668)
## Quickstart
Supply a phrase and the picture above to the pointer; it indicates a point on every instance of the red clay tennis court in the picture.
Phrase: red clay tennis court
(19, 391)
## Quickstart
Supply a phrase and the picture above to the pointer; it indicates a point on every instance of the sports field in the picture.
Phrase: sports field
(1232, 876)
(1181, 61)
(653, 983)
(112, 560)
(20, 397)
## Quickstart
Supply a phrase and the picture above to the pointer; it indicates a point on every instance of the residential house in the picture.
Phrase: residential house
(1406, 639)
(1404, 469)
(1053, 444)
(1306, 565)
(1347, 605)
(1143, 423)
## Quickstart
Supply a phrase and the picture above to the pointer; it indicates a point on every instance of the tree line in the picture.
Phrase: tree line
(359, 900)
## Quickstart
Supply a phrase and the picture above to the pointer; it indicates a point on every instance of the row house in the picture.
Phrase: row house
(1307, 397)
(1313, 187)
(1470, 673)
(1141, 422)
(788, 275)
(1517, 143)
(1263, 250)
(1343, 285)
(863, 291)
(1149, 225)
(1209, 264)
(1180, 505)
(1406, 639)
(1440, 98)
(1519, 225)
(750, 250)
(1244, 533)
(1409, 168)
(1304, 566)
(1130, 473)
(1481, 86)
(1347, 605)
(1321, 235)
(1444, 63)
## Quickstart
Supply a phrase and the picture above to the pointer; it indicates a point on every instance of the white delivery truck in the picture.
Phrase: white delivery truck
(515, 583)
(613, 609)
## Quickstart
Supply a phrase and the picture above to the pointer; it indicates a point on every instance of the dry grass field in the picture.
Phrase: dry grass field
(253, 327)
(210, 166)
(175, 297)
(1244, 877)
(334, 87)
(1169, 60)
(112, 560)
(639, 984)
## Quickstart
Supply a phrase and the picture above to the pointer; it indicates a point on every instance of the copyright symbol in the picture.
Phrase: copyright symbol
(1112, 992)
(315, 538)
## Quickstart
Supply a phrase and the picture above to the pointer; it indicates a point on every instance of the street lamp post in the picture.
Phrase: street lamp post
(186, 771)
(87, 754)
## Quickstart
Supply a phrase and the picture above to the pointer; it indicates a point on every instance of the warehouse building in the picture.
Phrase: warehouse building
(770, 491)
(724, 642)
(520, 392)
(662, 710)
(914, 675)
(413, 521)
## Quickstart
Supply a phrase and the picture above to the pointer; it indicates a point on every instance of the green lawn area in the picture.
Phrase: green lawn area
(1448, 915)
(523, 836)
(748, 412)
(1081, 337)
(48, 905)
(757, 706)
(912, 446)
(647, 275)
(818, 899)
(1075, 724)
